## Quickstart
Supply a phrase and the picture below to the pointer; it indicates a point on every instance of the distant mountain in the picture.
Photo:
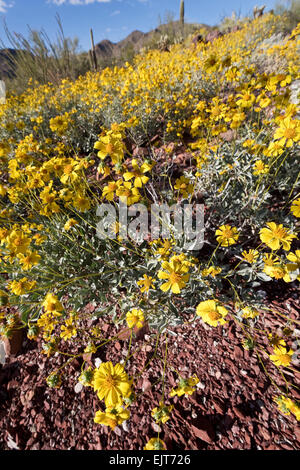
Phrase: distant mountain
(7, 69)
(137, 39)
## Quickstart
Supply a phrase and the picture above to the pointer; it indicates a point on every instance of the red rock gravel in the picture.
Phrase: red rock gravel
(232, 407)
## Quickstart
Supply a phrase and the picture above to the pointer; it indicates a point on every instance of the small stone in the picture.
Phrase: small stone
(47, 406)
(78, 387)
(146, 385)
(235, 429)
(156, 427)
(97, 362)
(265, 433)
(11, 443)
(200, 385)
(238, 412)
(125, 426)
(203, 430)
(118, 431)
(218, 405)
(238, 352)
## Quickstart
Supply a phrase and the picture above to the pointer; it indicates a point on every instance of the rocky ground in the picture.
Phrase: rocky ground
(232, 407)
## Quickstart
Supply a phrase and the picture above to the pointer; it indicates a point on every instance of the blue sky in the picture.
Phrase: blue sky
(111, 19)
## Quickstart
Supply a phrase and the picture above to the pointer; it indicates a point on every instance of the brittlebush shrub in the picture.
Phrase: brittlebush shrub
(66, 149)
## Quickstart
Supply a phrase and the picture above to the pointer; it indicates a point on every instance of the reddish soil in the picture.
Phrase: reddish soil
(232, 407)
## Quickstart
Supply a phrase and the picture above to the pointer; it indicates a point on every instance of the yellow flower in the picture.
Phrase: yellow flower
(81, 202)
(274, 149)
(145, 283)
(176, 276)
(70, 223)
(18, 242)
(162, 413)
(211, 271)
(274, 268)
(110, 145)
(48, 197)
(138, 173)
(128, 193)
(3, 190)
(111, 383)
(293, 268)
(275, 340)
(69, 173)
(52, 304)
(295, 259)
(68, 330)
(184, 186)
(295, 207)
(86, 377)
(60, 124)
(281, 356)
(29, 259)
(294, 408)
(39, 239)
(135, 318)
(211, 312)
(211, 63)
(227, 235)
(112, 417)
(275, 236)
(246, 100)
(186, 387)
(288, 132)
(260, 168)
(110, 189)
(165, 248)
(103, 169)
(250, 256)
(22, 286)
(249, 312)
(155, 444)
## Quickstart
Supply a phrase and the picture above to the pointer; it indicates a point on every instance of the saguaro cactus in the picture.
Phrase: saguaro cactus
(182, 15)
(92, 54)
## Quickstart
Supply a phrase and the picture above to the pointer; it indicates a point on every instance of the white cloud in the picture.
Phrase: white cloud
(4, 5)
(76, 2)
(116, 12)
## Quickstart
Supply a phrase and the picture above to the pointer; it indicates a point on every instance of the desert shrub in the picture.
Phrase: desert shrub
(67, 149)
(41, 60)
(289, 12)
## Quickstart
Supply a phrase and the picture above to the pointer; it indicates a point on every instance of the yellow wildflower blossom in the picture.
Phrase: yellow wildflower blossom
(155, 444)
(186, 387)
(138, 173)
(175, 273)
(135, 318)
(112, 417)
(111, 383)
(146, 283)
(276, 236)
(227, 235)
(212, 312)
(295, 207)
(281, 356)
